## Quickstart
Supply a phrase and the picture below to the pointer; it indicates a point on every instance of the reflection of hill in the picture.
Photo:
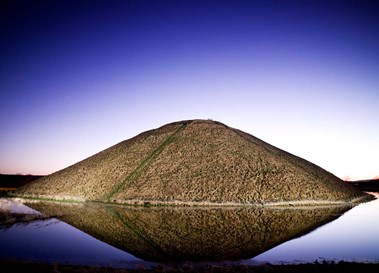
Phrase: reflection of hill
(197, 234)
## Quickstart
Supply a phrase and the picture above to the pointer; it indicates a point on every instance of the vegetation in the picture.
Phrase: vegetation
(10, 266)
(197, 162)
(371, 185)
(10, 182)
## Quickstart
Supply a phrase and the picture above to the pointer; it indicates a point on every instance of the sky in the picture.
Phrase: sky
(77, 77)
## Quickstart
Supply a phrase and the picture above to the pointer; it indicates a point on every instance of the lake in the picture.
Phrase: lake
(121, 236)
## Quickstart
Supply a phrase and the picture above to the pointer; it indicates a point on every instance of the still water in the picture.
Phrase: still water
(94, 234)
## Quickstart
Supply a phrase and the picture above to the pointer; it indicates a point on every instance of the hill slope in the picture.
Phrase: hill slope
(193, 162)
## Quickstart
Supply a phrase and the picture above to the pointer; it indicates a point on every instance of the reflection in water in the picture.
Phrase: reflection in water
(164, 234)
(353, 237)
(14, 213)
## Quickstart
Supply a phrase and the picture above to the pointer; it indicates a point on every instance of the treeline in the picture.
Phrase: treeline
(366, 185)
(16, 180)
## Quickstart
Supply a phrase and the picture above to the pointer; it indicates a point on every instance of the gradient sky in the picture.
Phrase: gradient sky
(77, 77)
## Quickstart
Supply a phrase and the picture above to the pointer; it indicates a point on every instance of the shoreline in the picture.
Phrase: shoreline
(158, 203)
(318, 266)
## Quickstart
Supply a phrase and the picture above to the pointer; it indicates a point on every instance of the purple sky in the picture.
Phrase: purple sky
(77, 77)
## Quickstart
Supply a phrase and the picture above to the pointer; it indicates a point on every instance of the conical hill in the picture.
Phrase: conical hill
(193, 162)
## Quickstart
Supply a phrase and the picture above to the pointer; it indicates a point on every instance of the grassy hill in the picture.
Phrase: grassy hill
(193, 162)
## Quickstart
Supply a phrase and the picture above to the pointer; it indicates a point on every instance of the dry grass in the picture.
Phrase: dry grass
(193, 162)
(95, 177)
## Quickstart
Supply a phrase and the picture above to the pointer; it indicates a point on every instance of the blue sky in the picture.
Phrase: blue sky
(77, 77)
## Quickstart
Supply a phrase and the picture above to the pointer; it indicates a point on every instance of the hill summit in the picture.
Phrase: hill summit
(193, 162)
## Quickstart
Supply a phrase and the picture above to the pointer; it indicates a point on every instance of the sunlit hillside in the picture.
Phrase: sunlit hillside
(193, 162)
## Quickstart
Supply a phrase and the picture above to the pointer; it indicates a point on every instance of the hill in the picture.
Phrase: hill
(10, 182)
(371, 185)
(193, 162)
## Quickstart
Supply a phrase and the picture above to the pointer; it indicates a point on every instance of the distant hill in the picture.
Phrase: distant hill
(366, 185)
(16, 180)
(193, 162)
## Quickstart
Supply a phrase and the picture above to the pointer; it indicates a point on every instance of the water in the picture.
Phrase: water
(94, 234)
(352, 237)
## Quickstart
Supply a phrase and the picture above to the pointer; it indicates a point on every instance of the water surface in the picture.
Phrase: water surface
(97, 234)
(352, 237)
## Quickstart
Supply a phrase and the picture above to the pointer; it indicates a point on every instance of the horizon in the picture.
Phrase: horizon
(77, 77)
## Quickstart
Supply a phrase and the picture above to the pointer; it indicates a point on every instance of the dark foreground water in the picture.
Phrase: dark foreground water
(94, 234)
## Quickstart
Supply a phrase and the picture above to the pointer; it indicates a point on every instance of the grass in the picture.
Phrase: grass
(99, 173)
(138, 170)
(197, 162)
